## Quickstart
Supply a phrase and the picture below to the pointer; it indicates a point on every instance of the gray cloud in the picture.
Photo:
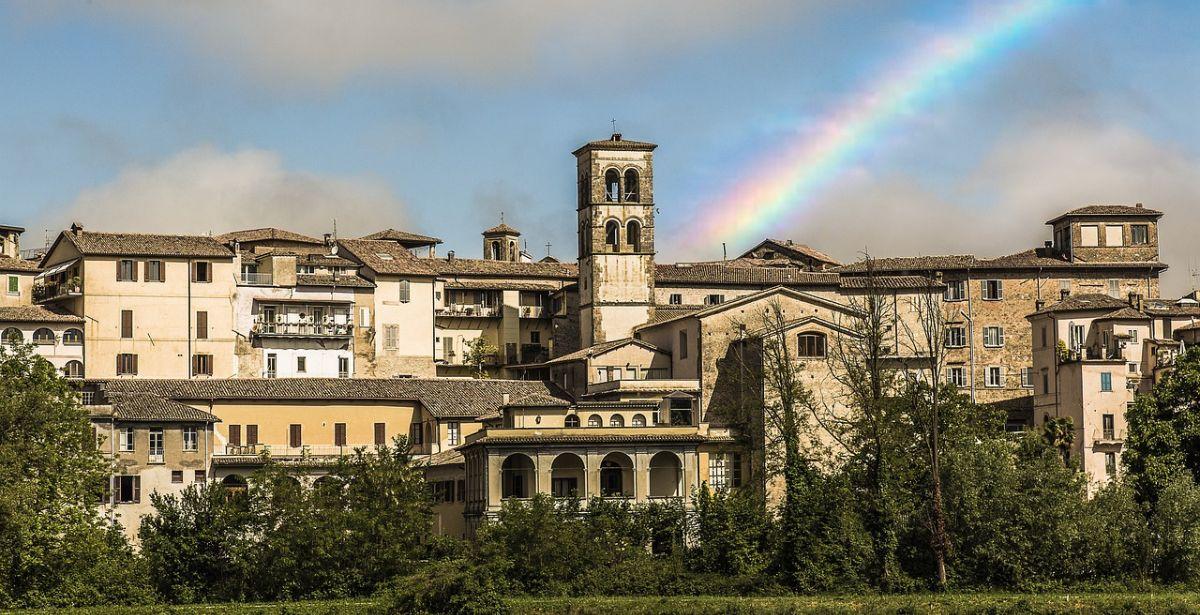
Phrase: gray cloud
(204, 189)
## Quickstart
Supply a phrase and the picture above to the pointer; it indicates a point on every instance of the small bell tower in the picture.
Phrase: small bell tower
(502, 243)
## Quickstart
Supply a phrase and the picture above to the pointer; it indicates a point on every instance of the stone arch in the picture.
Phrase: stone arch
(632, 186)
(666, 474)
(518, 475)
(616, 476)
(568, 476)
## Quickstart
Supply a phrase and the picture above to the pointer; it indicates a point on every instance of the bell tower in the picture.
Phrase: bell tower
(502, 243)
(616, 237)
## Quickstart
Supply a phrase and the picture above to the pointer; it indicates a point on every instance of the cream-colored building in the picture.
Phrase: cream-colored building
(57, 336)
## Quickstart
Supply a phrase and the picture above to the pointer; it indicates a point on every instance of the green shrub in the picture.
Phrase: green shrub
(453, 587)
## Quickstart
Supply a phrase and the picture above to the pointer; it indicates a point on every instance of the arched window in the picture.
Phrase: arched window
(612, 234)
(73, 369)
(572, 420)
(595, 421)
(512, 251)
(234, 483)
(567, 476)
(495, 250)
(638, 421)
(631, 186)
(13, 335)
(665, 475)
(516, 476)
(583, 190)
(612, 186)
(72, 337)
(633, 235)
(810, 345)
(43, 336)
(616, 476)
(616, 421)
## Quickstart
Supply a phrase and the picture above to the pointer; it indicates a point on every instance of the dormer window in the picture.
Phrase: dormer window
(384, 256)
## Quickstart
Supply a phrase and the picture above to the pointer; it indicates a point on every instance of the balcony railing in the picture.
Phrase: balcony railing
(156, 456)
(468, 310)
(534, 311)
(246, 278)
(56, 290)
(534, 353)
(279, 450)
(303, 329)
(1108, 436)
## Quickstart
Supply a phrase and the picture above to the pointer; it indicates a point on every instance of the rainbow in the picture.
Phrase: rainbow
(782, 184)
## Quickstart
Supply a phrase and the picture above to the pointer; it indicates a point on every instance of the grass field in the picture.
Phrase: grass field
(1040, 604)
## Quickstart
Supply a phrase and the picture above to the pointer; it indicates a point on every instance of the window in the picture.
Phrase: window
(155, 272)
(681, 412)
(339, 434)
(191, 441)
(1110, 463)
(1045, 382)
(295, 439)
(416, 435)
(126, 270)
(1045, 336)
(956, 336)
(343, 367)
(301, 365)
(612, 186)
(993, 290)
(127, 324)
(1076, 336)
(1133, 335)
(616, 420)
(452, 433)
(125, 439)
(129, 489)
(235, 435)
(1139, 234)
(535, 337)
(251, 435)
(572, 420)
(1106, 382)
(1108, 423)
(675, 299)
(638, 420)
(724, 470)
(612, 234)
(13, 335)
(1089, 235)
(1027, 377)
(43, 336)
(391, 337)
(73, 369)
(272, 364)
(200, 476)
(957, 375)
(956, 290)
(631, 186)
(380, 434)
(714, 300)
(682, 350)
(202, 325)
(1114, 235)
(14, 285)
(177, 476)
(1114, 289)
(405, 291)
(633, 235)
(127, 364)
(994, 376)
(1133, 368)
(364, 316)
(201, 271)
(810, 345)
(993, 337)
(156, 445)
(72, 337)
(595, 421)
(202, 365)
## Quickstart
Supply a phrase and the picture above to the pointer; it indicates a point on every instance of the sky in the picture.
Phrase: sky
(436, 116)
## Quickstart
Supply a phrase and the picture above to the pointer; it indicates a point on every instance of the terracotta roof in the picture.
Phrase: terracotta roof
(446, 458)
(1125, 313)
(617, 142)
(392, 234)
(1029, 259)
(891, 282)
(326, 260)
(913, 263)
(722, 273)
(663, 313)
(1085, 302)
(1108, 210)
(1163, 307)
(794, 249)
(146, 244)
(35, 313)
(601, 348)
(442, 397)
(327, 279)
(502, 285)
(148, 407)
(18, 264)
(266, 234)
(386, 257)
(502, 229)
(486, 267)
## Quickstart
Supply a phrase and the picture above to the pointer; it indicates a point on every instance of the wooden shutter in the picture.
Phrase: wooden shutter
(251, 435)
(202, 325)
(235, 435)
(294, 438)
(135, 365)
(192, 267)
(146, 272)
(380, 434)
(339, 434)
(126, 323)
(137, 489)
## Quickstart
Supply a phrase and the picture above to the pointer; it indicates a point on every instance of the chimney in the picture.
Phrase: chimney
(1039, 305)
(504, 397)
(76, 228)
(1049, 244)
(328, 239)
(1063, 294)
(616, 136)
(450, 256)
(1139, 206)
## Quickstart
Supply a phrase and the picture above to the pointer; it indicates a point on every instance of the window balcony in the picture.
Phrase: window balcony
(53, 291)
(1109, 436)
(280, 450)
(465, 310)
(303, 329)
(535, 311)
(534, 353)
(247, 278)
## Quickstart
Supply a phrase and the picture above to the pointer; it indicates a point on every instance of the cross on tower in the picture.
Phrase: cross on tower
(547, 249)
(614, 125)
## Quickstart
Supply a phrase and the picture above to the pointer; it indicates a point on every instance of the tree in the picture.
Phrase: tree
(1164, 430)
(477, 351)
(1059, 432)
(55, 547)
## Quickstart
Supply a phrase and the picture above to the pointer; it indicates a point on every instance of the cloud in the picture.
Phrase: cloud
(204, 189)
(321, 43)
(1000, 207)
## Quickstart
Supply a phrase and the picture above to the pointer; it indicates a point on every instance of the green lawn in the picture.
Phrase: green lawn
(1043, 604)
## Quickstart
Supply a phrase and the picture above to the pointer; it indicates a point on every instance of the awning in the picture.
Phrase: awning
(56, 269)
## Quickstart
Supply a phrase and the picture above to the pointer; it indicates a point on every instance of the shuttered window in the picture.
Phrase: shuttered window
(202, 325)
(202, 271)
(235, 435)
(294, 439)
(405, 292)
(127, 364)
(251, 435)
(127, 324)
(126, 270)
(380, 434)
(339, 434)
(154, 272)
(202, 365)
